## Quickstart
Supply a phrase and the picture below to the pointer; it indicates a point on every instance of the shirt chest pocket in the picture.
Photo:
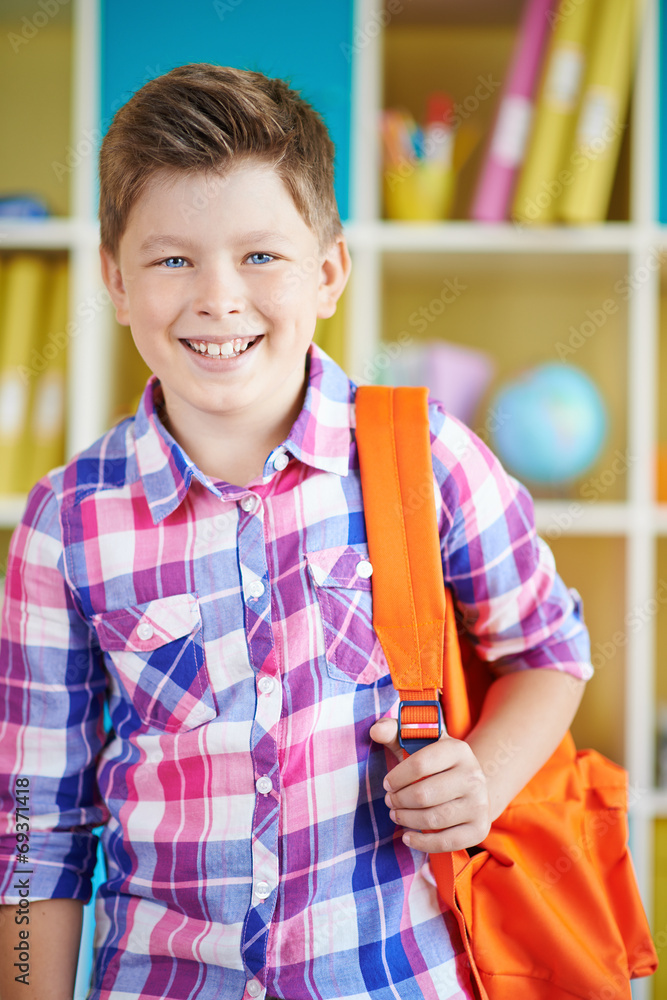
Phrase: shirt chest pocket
(341, 577)
(156, 651)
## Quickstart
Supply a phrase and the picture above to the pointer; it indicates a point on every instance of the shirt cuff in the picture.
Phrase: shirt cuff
(59, 865)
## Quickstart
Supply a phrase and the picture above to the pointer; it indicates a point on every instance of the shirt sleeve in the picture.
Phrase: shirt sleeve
(516, 609)
(52, 689)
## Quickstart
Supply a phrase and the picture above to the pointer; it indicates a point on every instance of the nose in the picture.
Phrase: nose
(219, 291)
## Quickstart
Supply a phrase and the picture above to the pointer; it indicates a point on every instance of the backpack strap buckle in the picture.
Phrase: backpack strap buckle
(422, 723)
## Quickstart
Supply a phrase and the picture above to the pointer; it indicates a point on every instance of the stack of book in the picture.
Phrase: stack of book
(34, 334)
(554, 146)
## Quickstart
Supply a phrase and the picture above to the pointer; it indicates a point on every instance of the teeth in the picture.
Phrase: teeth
(231, 348)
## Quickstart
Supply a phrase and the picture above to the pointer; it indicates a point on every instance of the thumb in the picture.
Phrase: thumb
(386, 731)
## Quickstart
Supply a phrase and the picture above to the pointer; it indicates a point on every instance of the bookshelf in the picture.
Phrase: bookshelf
(614, 548)
(528, 286)
(53, 73)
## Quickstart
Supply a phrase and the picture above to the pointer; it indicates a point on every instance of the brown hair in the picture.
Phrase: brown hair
(202, 117)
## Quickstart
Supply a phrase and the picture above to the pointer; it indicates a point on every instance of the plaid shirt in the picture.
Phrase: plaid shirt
(230, 632)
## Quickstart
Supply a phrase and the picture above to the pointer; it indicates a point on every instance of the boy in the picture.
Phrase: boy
(203, 568)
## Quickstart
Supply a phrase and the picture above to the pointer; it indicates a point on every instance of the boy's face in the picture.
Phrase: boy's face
(221, 282)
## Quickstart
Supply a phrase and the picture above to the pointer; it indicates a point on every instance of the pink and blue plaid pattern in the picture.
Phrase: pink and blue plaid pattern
(247, 841)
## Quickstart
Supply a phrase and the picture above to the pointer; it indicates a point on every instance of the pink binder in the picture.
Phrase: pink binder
(511, 128)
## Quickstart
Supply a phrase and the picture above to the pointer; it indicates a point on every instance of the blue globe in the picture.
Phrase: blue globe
(549, 425)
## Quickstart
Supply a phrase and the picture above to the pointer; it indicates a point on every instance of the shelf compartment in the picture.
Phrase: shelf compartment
(34, 295)
(129, 374)
(515, 309)
(467, 61)
(660, 611)
(499, 12)
(35, 117)
(659, 981)
(661, 451)
(465, 50)
(582, 564)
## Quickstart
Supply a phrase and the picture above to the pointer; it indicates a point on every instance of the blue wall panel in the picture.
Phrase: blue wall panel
(662, 115)
(303, 41)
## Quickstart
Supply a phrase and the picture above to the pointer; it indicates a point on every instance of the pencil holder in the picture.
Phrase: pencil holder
(418, 192)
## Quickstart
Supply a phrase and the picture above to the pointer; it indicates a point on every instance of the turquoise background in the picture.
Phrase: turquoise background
(305, 42)
(85, 964)
(662, 113)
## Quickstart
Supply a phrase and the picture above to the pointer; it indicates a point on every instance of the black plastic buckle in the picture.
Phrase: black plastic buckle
(412, 745)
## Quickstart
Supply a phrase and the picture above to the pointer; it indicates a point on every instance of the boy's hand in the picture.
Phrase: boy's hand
(440, 788)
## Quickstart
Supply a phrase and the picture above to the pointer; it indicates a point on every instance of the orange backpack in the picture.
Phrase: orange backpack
(547, 905)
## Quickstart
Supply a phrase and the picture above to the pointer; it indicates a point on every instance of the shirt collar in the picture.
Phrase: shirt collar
(320, 436)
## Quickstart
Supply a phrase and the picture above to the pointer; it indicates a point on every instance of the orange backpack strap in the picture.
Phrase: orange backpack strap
(413, 614)
(409, 598)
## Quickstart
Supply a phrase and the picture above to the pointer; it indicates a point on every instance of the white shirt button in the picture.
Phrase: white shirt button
(265, 684)
(145, 630)
(248, 504)
(264, 784)
(364, 569)
(262, 889)
(254, 988)
(256, 588)
(280, 461)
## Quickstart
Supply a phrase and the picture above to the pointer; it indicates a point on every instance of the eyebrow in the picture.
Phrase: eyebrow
(265, 236)
(155, 244)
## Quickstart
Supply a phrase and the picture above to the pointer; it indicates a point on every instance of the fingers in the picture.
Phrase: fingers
(456, 838)
(446, 804)
(444, 816)
(441, 755)
(439, 794)
(386, 731)
(440, 808)
(445, 786)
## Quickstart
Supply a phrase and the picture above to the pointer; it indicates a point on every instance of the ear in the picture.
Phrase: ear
(335, 270)
(113, 279)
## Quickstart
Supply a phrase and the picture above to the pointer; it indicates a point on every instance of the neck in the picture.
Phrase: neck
(231, 447)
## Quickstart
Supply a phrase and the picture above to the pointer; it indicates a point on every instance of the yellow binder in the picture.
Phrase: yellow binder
(602, 116)
(659, 983)
(546, 171)
(21, 316)
(47, 417)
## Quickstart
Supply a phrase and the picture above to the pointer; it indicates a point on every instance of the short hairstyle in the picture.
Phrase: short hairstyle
(202, 117)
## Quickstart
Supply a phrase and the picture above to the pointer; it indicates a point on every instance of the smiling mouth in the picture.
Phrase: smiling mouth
(230, 349)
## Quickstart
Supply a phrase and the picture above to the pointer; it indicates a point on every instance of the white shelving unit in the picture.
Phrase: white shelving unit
(88, 402)
(638, 519)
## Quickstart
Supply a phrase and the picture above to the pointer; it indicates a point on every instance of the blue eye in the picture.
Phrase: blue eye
(169, 262)
(267, 257)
